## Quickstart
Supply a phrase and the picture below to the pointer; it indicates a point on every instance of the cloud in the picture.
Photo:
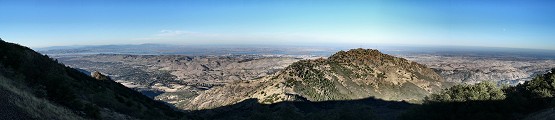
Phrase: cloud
(173, 33)
(168, 35)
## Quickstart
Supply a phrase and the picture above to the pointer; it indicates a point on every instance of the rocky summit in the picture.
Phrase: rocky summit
(346, 75)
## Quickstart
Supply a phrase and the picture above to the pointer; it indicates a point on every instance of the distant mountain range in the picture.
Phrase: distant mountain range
(299, 50)
(165, 49)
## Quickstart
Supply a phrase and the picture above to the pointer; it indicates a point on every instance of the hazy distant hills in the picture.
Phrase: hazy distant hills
(473, 69)
(317, 50)
(354, 74)
(166, 49)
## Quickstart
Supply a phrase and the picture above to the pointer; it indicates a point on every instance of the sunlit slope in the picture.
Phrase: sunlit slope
(346, 75)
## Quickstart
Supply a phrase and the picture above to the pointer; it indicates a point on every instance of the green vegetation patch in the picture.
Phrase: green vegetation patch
(464, 92)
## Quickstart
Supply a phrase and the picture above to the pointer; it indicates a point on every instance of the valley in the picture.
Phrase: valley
(461, 68)
(177, 78)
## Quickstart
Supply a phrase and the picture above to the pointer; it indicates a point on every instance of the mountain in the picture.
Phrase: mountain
(34, 86)
(346, 75)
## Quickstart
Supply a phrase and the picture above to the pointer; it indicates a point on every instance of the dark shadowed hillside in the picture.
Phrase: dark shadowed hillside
(361, 109)
(34, 86)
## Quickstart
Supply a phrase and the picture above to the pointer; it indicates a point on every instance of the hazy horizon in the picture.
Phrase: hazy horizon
(327, 45)
(507, 24)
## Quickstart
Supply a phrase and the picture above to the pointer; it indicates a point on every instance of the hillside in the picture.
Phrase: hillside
(346, 75)
(533, 100)
(34, 86)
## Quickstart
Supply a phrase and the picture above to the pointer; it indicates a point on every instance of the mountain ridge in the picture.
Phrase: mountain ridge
(354, 74)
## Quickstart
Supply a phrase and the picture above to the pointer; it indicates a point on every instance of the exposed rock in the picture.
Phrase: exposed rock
(99, 76)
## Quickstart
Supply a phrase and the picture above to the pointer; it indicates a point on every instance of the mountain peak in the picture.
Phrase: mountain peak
(340, 76)
(362, 56)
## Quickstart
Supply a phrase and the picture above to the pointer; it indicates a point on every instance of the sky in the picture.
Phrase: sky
(492, 23)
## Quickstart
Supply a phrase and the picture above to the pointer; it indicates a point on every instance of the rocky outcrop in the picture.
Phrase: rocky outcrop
(99, 76)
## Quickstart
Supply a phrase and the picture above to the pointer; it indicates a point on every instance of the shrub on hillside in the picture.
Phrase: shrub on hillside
(460, 93)
(487, 101)
(539, 87)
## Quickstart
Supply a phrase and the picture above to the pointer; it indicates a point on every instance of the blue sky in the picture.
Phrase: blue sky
(42, 23)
